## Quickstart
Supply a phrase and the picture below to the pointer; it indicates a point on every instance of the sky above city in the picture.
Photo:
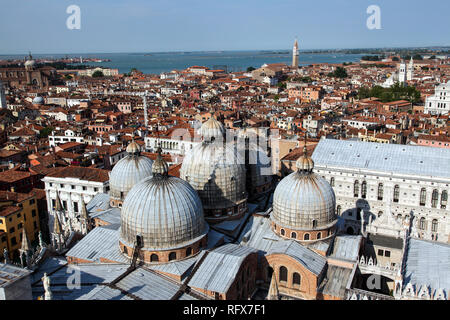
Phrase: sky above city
(212, 25)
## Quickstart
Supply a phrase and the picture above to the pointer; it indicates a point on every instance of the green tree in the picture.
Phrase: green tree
(339, 73)
(97, 74)
(44, 133)
(250, 69)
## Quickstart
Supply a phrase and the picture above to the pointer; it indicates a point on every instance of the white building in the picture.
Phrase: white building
(74, 186)
(439, 103)
(168, 145)
(68, 136)
(410, 72)
(367, 175)
(402, 73)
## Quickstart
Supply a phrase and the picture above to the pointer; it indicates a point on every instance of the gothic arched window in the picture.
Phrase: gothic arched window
(282, 232)
(423, 196)
(319, 235)
(306, 237)
(338, 210)
(294, 235)
(423, 224)
(380, 191)
(434, 198)
(396, 193)
(356, 189)
(364, 189)
(444, 199)
(434, 225)
(283, 273)
(332, 181)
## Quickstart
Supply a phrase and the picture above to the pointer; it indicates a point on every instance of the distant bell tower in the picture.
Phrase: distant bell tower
(2, 96)
(402, 73)
(410, 73)
(295, 54)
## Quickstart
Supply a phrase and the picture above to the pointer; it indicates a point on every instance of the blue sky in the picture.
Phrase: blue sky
(191, 25)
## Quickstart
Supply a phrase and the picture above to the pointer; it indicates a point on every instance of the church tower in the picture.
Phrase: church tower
(295, 54)
(2, 96)
(402, 73)
(410, 73)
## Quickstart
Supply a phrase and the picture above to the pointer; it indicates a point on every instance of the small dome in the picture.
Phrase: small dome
(305, 163)
(127, 172)
(212, 129)
(30, 63)
(160, 166)
(133, 148)
(38, 101)
(165, 211)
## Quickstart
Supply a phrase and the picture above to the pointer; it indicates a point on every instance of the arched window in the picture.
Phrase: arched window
(125, 250)
(188, 251)
(380, 191)
(314, 224)
(380, 213)
(399, 217)
(296, 279)
(338, 210)
(444, 199)
(434, 198)
(319, 235)
(423, 196)
(423, 224)
(364, 189)
(332, 181)
(154, 258)
(356, 189)
(283, 273)
(172, 256)
(396, 193)
(282, 232)
(434, 225)
(294, 235)
(306, 236)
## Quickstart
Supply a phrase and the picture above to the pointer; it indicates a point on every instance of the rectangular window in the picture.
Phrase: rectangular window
(380, 252)
(387, 253)
(32, 201)
(75, 206)
(33, 213)
(11, 230)
(53, 203)
(64, 204)
(13, 241)
(3, 239)
(19, 226)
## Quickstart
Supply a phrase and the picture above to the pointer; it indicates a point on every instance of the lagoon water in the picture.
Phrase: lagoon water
(155, 63)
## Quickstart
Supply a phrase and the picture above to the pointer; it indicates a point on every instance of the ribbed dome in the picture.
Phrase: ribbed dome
(212, 129)
(127, 172)
(217, 172)
(38, 101)
(165, 211)
(303, 200)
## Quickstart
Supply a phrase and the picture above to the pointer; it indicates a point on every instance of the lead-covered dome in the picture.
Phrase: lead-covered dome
(127, 172)
(166, 212)
(304, 204)
(217, 172)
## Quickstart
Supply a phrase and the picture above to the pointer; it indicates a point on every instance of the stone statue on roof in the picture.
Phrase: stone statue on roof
(46, 283)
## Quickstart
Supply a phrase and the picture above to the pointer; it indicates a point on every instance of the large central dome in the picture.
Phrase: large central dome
(166, 213)
(127, 172)
(217, 172)
(304, 204)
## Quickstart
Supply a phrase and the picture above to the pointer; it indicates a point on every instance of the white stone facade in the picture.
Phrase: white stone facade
(409, 198)
(439, 103)
(71, 191)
